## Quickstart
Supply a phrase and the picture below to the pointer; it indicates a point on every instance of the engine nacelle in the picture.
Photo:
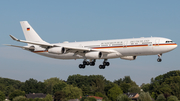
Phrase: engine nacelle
(93, 55)
(32, 48)
(57, 50)
(128, 57)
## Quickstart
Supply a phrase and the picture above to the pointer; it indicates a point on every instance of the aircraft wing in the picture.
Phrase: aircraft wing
(88, 49)
(69, 48)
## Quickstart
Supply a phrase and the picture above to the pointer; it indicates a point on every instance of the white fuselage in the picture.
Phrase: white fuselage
(124, 47)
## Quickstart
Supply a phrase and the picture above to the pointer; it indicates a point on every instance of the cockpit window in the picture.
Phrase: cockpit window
(169, 41)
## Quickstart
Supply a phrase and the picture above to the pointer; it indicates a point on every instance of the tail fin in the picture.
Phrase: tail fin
(29, 33)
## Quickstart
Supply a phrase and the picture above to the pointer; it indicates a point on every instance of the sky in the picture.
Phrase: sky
(86, 20)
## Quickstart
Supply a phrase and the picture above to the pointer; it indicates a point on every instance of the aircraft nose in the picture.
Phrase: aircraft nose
(174, 46)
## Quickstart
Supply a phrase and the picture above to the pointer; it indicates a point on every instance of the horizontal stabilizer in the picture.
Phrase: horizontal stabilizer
(13, 37)
(42, 44)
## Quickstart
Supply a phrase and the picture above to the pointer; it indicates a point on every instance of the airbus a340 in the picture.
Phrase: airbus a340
(127, 49)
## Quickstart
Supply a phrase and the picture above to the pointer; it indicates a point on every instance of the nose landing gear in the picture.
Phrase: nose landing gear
(159, 58)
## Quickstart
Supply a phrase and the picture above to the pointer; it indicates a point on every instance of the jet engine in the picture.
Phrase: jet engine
(57, 50)
(32, 48)
(128, 57)
(93, 55)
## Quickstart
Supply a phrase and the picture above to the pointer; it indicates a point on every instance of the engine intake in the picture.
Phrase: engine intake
(57, 50)
(32, 48)
(93, 55)
(129, 57)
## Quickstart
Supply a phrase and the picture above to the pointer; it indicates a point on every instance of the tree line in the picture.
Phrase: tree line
(161, 88)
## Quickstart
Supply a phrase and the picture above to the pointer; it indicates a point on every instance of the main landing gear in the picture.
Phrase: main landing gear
(159, 58)
(87, 63)
(105, 63)
(92, 63)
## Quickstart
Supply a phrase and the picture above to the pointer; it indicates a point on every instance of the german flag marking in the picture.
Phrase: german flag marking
(28, 29)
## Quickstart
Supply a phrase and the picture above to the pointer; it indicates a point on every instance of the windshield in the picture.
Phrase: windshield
(169, 42)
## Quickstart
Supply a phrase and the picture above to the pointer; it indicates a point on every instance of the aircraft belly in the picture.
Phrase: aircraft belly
(136, 51)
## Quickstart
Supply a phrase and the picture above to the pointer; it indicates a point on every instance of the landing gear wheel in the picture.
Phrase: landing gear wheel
(84, 62)
(87, 63)
(81, 66)
(101, 66)
(159, 59)
(106, 63)
(92, 63)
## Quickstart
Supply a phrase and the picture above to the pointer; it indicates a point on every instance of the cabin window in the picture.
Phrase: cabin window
(169, 41)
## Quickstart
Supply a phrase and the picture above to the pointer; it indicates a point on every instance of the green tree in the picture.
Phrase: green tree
(99, 84)
(161, 98)
(166, 83)
(59, 96)
(72, 92)
(144, 96)
(30, 99)
(19, 98)
(99, 94)
(38, 99)
(114, 92)
(162, 78)
(172, 98)
(30, 86)
(123, 97)
(83, 98)
(59, 86)
(8, 90)
(9, 82)
(91, 99)
(134, 89)
(2, 96)
(127, 79)
(145, 87)
(108, 87)
(86, 90)
(48, 98)
(8, 85)
(49, 84)
(125, 87)
(164, 88)
(175, 87)
(16, 93)
(118, 82)
(88, 84)
(2, 87)
(33, 86)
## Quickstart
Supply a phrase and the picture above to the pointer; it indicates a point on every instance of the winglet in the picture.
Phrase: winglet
(13, 38)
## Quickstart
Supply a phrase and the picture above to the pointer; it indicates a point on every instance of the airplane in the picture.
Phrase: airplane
(90, 51)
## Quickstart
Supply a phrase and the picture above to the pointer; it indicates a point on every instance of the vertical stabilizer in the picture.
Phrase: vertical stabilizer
(29, 33)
